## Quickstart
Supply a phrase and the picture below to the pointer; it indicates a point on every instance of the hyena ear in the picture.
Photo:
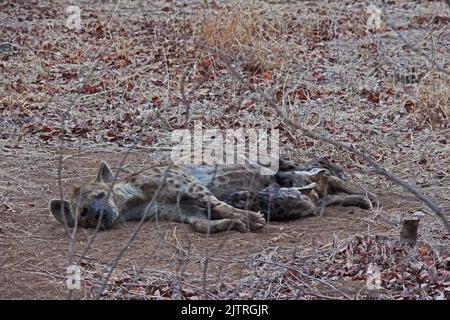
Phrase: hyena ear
(318, 172)
(60, 209)
(104, 173)
(308, 187)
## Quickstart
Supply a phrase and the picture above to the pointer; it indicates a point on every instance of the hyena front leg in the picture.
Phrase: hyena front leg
(179, 187)
(222, 210)
(197, 218)
(213, 226)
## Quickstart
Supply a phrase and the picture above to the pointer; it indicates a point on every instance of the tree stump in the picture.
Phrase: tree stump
(408, 234)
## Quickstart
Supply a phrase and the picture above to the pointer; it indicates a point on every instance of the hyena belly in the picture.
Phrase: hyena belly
(225, 179)
(165, 185)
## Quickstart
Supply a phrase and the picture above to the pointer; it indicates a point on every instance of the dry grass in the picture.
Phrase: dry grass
(239, 29)
(231, 27)
(430, 99)
(434, 98)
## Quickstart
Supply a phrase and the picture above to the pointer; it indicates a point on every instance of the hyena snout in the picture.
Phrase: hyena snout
(98, 211)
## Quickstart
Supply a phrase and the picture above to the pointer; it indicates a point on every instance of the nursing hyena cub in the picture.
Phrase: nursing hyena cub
(210, 198)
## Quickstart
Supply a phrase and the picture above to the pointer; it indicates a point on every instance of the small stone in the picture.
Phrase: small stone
(5, 47)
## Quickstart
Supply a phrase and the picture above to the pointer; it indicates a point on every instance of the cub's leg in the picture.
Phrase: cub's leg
(337, 185)
(347, 201)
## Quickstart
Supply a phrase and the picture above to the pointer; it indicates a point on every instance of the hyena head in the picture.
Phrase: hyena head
(91, 204)
(286, 203)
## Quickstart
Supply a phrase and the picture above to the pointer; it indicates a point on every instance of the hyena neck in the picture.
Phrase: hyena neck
(130, 201)
(125, 193)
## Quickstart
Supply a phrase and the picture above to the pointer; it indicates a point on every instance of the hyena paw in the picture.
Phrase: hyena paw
(375, 201)
(239, 225)
(364, 203)
(254, 220)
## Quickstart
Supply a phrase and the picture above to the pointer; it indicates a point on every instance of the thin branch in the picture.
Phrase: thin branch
(132, 237)
(61, 195)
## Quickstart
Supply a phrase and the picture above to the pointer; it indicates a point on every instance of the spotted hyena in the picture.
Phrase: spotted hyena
(210, 198)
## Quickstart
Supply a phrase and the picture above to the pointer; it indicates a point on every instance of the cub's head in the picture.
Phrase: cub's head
(286, 203)
(91, 204)
(304, 178)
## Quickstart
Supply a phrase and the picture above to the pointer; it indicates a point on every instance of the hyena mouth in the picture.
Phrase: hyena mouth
(102, 219)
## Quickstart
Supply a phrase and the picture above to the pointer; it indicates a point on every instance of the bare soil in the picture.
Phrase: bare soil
(35, 247)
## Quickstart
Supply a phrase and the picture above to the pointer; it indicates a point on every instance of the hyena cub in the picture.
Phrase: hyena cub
(298, 191)
(210, 198)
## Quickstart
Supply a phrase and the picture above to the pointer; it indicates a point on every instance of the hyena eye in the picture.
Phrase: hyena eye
(84, 212)
(101, 195)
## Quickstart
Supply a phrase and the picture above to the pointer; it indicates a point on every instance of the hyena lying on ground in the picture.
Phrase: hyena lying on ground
(210, 198)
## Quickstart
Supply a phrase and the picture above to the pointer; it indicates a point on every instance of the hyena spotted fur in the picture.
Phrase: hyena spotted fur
(210, 198)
